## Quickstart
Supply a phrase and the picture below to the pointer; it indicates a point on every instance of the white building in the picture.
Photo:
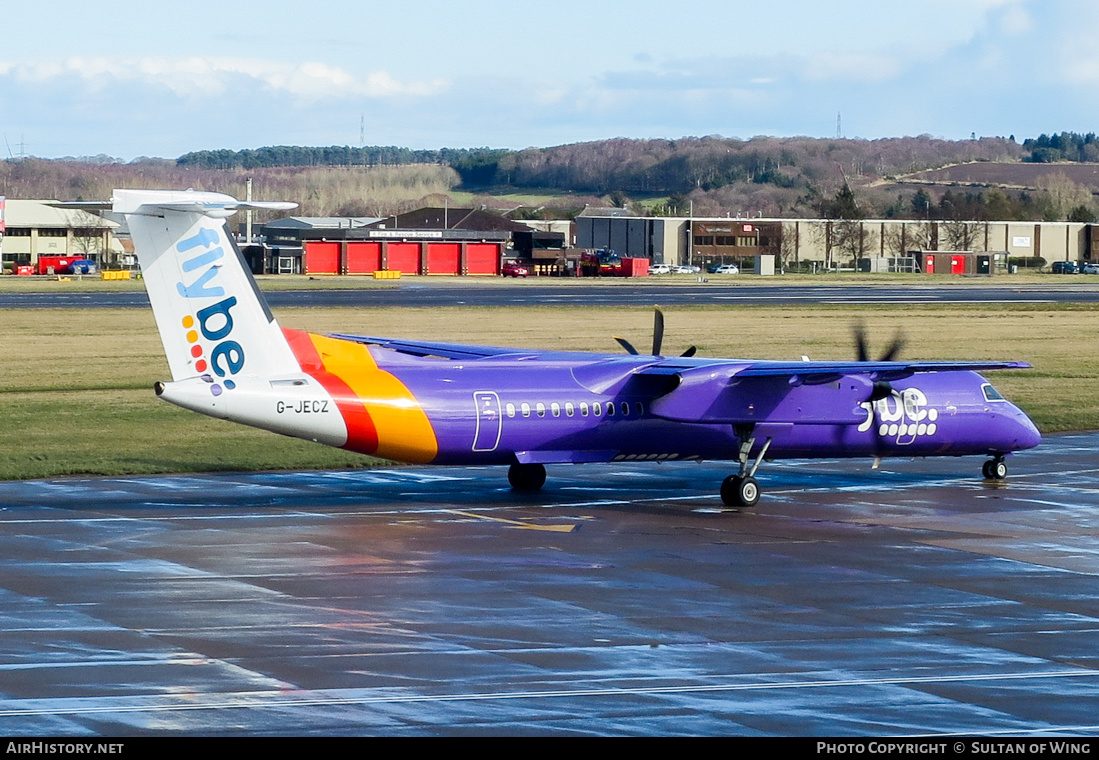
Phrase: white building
(36, 228)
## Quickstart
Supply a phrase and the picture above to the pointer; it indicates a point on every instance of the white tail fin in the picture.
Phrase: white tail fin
(211, 317)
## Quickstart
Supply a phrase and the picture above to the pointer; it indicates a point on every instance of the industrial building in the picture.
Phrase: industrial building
(828, 244)
(36, 228)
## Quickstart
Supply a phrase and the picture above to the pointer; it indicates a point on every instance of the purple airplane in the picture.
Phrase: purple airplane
(445, 403)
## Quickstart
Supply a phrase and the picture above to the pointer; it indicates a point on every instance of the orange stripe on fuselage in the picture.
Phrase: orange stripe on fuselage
(382, 415)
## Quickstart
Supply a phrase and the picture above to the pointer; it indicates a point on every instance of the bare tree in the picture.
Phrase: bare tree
(1063, 195)
(90, 236)
(963, 235)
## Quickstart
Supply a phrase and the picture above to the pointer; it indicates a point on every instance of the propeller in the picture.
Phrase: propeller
(882, 389)
(658, 337)
(862, 353)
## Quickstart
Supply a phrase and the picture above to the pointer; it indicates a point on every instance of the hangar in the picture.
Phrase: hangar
(450, 241)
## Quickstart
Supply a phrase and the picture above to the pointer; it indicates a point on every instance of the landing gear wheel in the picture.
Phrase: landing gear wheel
(994, 469)
(527, 477)
(739, 491)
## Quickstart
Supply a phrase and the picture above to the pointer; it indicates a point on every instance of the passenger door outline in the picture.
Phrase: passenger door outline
(490, 422)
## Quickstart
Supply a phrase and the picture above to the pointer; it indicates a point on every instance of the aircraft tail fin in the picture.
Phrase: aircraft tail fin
(213, 320)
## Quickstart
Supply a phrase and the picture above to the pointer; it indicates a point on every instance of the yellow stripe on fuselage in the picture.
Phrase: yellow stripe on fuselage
(404, 431)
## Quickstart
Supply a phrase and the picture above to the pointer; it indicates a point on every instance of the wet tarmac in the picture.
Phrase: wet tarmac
(915, 599)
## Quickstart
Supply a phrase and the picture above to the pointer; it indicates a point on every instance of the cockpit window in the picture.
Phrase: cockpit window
(991, 394)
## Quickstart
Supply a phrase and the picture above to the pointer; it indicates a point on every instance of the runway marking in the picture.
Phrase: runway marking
(266, 699)
(514, 523)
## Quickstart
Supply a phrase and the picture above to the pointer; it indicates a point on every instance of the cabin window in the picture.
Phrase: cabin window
(569, 409)
(509, 410)
(583, 408)
(610, 409)
(525, 408)
(540, 409)
(555, 408)
(640, 409)
(625, 409)
(597, 409)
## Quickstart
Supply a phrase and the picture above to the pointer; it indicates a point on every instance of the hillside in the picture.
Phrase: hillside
(711, 176)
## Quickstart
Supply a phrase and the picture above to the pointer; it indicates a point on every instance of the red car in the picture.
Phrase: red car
(515, 269)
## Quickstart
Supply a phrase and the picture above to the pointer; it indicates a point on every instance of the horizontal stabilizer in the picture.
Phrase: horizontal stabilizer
(216, 205)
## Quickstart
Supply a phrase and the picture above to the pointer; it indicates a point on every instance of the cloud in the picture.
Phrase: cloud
(851, 67)
(197, 77)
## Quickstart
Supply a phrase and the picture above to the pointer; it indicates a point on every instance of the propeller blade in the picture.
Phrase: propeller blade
(690, 351)
(861, 354)
(626, 345)
(894, 349)
(658, 331)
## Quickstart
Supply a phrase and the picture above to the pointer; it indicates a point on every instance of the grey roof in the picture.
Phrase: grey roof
(322, 222)
(607, 211)
(39, 214)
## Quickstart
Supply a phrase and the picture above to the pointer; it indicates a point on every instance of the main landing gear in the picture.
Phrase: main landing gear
(994, 469)
(742, 489)
(527, 477)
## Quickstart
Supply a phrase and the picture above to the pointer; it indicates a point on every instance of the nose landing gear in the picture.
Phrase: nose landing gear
(739, 491)
(994, 469)
(742, 489)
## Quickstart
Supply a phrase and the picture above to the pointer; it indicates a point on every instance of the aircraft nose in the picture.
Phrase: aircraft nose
(1026, 435)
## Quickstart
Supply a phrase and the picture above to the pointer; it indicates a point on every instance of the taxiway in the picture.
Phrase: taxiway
(622, 600)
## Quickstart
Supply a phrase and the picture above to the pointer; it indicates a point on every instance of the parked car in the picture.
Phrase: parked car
(1090, 268)
(727, 269)
(1065, 267)
(683, 269)
(660, 269)
(515, 269)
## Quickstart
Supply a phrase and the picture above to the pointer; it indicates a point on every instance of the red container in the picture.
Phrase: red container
(55, 264)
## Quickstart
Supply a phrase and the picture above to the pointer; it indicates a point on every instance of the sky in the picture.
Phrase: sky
(130, 79)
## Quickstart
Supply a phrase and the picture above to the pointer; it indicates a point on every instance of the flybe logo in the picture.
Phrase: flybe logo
(901, 416)
(209, 330)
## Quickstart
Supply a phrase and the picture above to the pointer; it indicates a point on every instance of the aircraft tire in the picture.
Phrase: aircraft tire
(995, 469)
(527, 477)
(737, 491)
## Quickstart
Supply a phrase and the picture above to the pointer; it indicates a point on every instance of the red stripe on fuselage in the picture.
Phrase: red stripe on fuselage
(362, 436)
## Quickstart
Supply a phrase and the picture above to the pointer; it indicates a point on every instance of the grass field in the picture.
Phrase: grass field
(76, 385)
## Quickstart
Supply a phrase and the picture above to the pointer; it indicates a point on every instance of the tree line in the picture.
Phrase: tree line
(470, 163)
(1066, 146)
(642, 166)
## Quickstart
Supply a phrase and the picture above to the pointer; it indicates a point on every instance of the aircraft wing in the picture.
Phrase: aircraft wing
(788, 392)
(879, 370)
(442, 350)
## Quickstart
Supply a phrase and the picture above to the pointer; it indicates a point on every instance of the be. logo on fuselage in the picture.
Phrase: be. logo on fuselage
(902, 416)
(214, 322)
